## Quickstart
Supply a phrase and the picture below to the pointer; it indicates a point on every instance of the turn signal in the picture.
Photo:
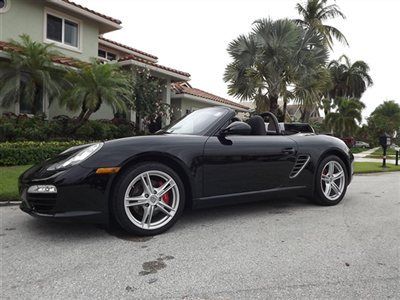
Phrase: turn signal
(108, 170)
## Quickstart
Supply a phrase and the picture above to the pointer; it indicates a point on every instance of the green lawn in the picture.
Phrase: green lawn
(373, 167)
(9, 182)
(390, 153)
(355, 150)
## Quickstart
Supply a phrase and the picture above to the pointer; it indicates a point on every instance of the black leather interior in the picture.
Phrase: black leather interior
(257, 125)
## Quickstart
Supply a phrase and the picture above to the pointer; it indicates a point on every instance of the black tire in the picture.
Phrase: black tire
(118, 206)
(319, 196)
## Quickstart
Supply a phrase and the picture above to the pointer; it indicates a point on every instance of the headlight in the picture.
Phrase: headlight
(76, 158)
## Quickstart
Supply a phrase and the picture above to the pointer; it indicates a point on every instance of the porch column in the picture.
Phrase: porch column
(166, 98)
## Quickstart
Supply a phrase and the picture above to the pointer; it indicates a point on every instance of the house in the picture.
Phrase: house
(294, 112)
(78, 33)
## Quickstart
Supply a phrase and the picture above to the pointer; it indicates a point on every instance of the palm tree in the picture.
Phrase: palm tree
(28, 71)
(349, 79)
(344, 120)
(94, 85)
(385, 118)
(310, 90)
(314, 13)
(273, 58)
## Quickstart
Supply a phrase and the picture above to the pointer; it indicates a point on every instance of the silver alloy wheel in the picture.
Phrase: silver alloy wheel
(333, 180)
(146, 198)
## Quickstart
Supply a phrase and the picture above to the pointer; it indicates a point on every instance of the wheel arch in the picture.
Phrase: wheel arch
(340, 154)
(159, 157)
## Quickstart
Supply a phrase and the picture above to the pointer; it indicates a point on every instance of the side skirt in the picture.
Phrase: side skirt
(244, 197)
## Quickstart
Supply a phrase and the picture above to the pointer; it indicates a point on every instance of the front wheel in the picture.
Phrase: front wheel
(149, 199)
(331, 181)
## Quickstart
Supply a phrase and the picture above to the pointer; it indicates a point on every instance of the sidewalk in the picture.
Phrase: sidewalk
(362, 157)
(365, 153)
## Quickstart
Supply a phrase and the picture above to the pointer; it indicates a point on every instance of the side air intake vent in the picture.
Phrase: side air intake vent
(301, 162)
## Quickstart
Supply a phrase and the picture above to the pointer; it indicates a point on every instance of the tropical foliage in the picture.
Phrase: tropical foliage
(146, 96)
(94, 85)
(344, 120)
(385, 118)
(314, 13)
(28, 73)
(276, 59)
(349, 79)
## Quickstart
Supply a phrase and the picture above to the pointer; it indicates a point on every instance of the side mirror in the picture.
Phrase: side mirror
(238, 128)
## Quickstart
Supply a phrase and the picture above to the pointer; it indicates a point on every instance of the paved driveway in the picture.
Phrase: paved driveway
(281, 249)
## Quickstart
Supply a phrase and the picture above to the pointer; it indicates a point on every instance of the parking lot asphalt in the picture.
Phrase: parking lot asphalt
(282, 248)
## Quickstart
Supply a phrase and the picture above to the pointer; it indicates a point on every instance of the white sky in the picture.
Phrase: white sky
(192, 35)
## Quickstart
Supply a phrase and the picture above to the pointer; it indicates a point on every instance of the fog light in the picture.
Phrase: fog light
(42, 189)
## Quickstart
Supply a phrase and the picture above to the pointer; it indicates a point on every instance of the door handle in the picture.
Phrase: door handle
(288, 151)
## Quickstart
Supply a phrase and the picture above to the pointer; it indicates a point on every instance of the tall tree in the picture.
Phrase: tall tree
(385, 118)
(271, 59)
(29, 70)
(349, 79)
(314, 13)
(94, 85)
(344, 121)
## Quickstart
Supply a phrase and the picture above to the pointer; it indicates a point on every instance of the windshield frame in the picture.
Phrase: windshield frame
(211, 128)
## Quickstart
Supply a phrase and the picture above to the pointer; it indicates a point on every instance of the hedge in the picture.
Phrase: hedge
(27, 153)
(22, 128)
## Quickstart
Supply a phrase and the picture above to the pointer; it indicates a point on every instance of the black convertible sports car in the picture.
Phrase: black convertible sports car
(207, 158)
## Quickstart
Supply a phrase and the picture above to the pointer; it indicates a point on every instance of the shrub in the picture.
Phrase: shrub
(23, 128)
(26, 153)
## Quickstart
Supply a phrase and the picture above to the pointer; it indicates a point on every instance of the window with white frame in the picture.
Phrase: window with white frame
(62, 30)
(107, 55)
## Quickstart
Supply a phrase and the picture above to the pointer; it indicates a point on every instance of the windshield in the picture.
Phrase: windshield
(197, 122)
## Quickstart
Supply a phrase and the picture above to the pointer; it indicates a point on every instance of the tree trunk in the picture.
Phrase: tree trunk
(82, 113)
(284, 109)
(87, 115)
(273, 104)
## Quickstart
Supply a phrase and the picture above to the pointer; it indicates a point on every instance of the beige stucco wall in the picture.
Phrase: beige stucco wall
(27, 16)
(186, 104)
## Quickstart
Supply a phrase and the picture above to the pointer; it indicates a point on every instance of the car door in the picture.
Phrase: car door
(242, 164)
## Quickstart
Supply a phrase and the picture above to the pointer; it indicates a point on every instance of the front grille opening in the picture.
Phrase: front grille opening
(300, 164)
(41, 203)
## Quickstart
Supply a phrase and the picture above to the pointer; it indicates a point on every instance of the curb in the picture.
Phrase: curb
(9, 203)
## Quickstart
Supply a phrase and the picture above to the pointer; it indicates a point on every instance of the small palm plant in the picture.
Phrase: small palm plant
(94, 85)
(29, 70)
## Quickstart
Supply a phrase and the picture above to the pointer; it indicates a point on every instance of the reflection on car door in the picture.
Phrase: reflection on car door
(242, 164)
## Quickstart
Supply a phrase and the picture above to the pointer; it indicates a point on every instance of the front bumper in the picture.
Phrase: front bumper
(81, 194)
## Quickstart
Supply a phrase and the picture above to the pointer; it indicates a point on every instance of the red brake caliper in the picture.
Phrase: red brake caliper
(165, 197)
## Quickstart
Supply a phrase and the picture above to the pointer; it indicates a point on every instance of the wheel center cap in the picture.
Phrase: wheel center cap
(153, 199)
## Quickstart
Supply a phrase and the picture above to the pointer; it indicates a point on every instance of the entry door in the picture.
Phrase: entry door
(241, 164)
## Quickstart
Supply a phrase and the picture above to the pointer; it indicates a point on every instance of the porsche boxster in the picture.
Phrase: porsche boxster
(207, 158)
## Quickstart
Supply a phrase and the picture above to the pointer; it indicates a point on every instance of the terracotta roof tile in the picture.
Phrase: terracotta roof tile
(139, 59)
(127, 47)
(185, 88)
(116, 21)
(68, 61)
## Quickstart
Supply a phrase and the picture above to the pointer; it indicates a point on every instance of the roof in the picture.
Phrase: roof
(127, 47)
(68, 61)
(185, 88)
(147, 62)
(116, 21)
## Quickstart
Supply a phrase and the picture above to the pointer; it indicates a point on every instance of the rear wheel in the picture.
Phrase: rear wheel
(331, 181)
(149, 199)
